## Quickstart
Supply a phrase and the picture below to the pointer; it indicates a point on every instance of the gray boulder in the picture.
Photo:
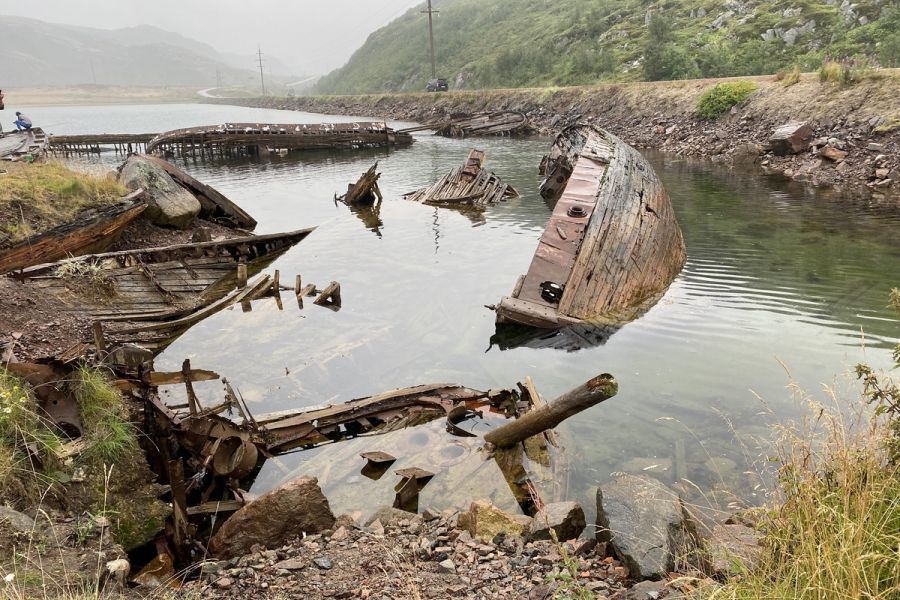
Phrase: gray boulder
(284, 513)
(168, 204)
(646, 525)
(565, 518)
(732, 549)
(791, 138)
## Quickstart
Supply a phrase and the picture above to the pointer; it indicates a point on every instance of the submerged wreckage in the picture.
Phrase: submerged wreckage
(470, 186)
(612, 245)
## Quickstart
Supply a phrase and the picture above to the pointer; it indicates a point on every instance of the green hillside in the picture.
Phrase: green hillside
(515, 43)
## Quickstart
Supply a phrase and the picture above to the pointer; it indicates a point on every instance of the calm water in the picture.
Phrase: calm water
(780, 283)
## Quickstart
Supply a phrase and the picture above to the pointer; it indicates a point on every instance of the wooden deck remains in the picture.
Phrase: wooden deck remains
(501, 123)
(19, 144)
(94, 230)
(467, 187)
(253, 139)
(612, 246)
(150, 296)
(365, 190)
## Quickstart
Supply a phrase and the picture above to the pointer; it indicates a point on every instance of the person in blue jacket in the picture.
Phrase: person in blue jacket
(22, 122)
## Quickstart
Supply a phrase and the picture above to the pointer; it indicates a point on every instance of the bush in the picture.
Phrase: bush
(789, 78)
(720, 98)
(847, 71)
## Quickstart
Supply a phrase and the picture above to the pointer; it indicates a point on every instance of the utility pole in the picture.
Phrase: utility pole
(262, 80)
(430, 12)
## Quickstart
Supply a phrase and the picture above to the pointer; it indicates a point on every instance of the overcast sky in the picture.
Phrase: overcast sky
(319, 34)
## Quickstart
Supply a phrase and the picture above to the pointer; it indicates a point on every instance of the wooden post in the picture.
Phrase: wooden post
(598, 389)
(276, 281)
(242, 275)
(99, 340)
(193, 401)
(298, 284)
(330, 295)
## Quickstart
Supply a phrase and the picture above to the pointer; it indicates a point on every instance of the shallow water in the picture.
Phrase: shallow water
(780, 283)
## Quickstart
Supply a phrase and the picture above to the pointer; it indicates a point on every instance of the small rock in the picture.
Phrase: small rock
(293, 564)
(447, 566)
(881, 173)
(831, 153)
(224, 583)
(323, 562)
(340, 534)
(565, 518)
(875, 147)
(732, 549)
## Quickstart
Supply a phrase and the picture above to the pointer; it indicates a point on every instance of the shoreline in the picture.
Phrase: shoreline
(861, 120)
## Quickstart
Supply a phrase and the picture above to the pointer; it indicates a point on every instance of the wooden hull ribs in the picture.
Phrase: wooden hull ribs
(612, 246)
(19, 145)
(257, 138)
(151, 296)
(469, 187)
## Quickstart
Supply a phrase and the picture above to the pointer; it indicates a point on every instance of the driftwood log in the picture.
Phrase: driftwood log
(600, 388)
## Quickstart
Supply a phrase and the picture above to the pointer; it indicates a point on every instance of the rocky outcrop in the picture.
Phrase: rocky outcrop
(646, 525)
(485, 521)
(566, 519)
(289, 511)
(168, 204)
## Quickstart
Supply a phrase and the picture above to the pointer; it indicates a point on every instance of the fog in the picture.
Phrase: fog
(309, 36)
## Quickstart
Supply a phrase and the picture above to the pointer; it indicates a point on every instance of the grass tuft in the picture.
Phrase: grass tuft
(720, 98)
(110, 437)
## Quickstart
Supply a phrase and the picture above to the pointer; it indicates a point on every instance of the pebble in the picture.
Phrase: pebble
(323, 562)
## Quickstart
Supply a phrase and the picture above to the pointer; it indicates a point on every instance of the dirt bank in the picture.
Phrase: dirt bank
(863, 119)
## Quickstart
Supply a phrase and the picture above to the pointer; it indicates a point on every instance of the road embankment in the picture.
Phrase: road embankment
(861, 121)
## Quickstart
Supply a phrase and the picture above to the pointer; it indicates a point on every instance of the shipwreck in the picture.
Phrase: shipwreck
(612, 245)
(469, 187)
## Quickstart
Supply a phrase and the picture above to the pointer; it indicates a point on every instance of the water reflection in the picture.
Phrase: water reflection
(776, 275)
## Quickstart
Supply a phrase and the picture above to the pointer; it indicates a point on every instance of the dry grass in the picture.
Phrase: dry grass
(36, 197)
(836, 530)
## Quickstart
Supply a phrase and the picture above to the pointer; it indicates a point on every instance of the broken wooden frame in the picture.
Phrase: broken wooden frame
(469, 187)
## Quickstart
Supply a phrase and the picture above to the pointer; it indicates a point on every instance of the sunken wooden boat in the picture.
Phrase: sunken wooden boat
(94, 230)
(19, 145)
(150, 296)
(365, 190)
(612, 246)
(498, 123)
(470, 186)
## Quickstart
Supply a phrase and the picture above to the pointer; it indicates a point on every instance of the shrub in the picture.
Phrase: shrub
(846, 71)
(722, 97)
(789, 78)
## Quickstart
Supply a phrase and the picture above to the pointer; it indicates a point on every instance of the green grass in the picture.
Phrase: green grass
(39, 196)
(110, 437)
(720, 98)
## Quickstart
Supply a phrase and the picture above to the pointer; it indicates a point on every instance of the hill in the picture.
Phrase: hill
(36, 53)
(520, 43)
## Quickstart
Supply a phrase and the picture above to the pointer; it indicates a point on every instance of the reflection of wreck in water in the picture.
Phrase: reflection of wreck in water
(612, 245)
(509, 336)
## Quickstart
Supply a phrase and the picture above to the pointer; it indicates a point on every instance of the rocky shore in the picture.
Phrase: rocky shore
(861, 121)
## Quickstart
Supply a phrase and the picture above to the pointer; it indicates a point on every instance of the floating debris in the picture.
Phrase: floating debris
(612, 245)
(467, 187)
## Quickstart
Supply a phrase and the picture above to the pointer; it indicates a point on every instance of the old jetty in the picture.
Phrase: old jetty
(612, 245)
(121, 143)
(261, 138)
(469, 186)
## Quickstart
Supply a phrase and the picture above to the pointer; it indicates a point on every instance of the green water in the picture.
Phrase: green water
(781, 284)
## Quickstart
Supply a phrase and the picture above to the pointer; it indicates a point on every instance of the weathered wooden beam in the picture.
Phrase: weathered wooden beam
(598, 389)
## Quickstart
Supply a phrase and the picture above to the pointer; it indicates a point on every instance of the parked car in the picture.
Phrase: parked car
(437, 85)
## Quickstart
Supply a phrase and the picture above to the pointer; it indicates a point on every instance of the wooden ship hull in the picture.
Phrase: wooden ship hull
(19, 144)
(467, 187)
(255, 138)
(151, 296)
(612, 245)
(500, 123)
(92, 231)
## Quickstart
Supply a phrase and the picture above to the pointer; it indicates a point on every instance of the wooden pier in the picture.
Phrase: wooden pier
(120, 143)
(254, 139)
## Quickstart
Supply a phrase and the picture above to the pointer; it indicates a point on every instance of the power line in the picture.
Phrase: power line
(430, 11)
(262, 80)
